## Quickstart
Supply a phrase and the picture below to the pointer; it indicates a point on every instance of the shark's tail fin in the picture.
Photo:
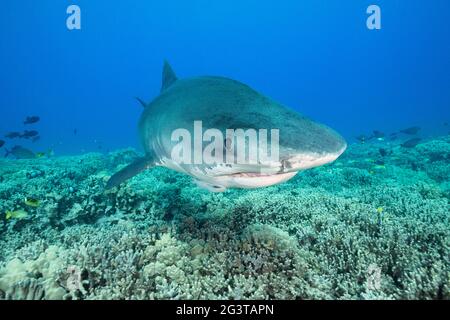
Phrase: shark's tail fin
(130, 171)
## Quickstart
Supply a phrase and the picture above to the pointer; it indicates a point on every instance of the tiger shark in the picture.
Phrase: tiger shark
(223, 104)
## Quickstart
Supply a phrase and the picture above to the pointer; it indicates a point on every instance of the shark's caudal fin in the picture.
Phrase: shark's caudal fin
(130, 171)
(168, 76)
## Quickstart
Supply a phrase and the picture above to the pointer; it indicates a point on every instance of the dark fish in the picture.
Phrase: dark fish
(29, 134)
(411, 131)
(12, 135)
(445, 124)
(75, 131)
(37, 138)
(31, 120)
(361, 138)
(20, 153)
(384, 152)
(2, 143)
(411, 143)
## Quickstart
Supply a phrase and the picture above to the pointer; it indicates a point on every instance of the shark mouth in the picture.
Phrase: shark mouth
(251, 175)
(256, 180)
(294, 164)
(287, 170)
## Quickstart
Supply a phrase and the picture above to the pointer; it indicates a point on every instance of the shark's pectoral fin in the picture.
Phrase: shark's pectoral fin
(130, 171)
(209, 186)
(143, 104)
(168, 76)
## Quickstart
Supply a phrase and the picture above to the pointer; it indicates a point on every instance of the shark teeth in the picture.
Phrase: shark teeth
(251, 174)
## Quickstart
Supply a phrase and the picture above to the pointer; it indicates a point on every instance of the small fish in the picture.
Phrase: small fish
(29, 134)
(31, 120)
(383, 152)
(2, 143)
(18, 214)
(361, 138)
(75, 131)
(20, 153)
(380, 209)
(411, 131)
(13, 135)
(37, 138)
(31, 202)
(445, 124)
(40, 155)
(411, 143)
(378, 135)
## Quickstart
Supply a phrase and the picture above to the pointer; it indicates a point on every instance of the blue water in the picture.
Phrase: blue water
(315, 56)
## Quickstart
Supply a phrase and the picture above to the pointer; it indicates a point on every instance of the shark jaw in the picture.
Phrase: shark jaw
(252, 178)
(258, 180)
(242, 181)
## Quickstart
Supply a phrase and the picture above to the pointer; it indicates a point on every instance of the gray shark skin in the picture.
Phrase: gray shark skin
(223, 103)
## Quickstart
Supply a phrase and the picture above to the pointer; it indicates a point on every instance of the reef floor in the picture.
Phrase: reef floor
(372, 225)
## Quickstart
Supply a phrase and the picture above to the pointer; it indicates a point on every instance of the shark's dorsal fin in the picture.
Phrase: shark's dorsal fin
(168, 76)
(141, 102)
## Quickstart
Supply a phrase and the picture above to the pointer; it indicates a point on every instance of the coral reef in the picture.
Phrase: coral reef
(365, 227)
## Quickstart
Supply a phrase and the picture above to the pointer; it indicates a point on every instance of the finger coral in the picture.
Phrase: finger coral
(321, 235)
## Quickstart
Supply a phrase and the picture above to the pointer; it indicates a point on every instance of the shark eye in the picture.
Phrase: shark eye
(228, 144)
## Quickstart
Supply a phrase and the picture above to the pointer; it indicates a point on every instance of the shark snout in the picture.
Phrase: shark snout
(304, 161)
(325, 149)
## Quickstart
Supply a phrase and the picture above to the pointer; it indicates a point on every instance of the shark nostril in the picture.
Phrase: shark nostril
(286, 165)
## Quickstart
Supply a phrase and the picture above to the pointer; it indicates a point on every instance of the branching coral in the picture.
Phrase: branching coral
(351, 230)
